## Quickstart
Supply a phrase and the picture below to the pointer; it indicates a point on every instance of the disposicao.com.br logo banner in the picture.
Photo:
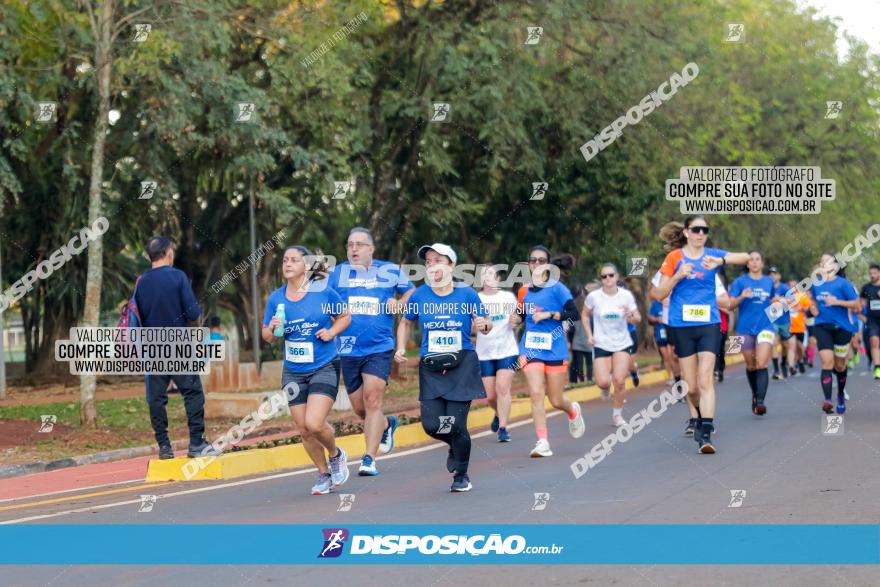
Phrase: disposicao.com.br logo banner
(439, 544)
(434, 543)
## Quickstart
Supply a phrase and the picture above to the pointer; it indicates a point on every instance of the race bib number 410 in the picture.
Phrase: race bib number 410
(444, 341)
(696, 312)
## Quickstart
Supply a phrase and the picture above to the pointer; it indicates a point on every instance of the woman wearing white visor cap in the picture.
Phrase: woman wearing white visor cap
(449, 371)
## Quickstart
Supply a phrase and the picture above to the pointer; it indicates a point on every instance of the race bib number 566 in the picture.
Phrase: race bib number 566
(299, 352)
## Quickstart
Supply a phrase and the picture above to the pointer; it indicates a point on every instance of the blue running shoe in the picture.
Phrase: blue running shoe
(322, 485)
(368, 467)
(461, 483)
(339, 467)
(495, 423)
(388, 436)
(503, 435)
(841, 403)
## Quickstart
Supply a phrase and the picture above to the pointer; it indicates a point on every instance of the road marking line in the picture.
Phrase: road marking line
(8, 499)
(74, 497)
(408, 452)
(432, 446)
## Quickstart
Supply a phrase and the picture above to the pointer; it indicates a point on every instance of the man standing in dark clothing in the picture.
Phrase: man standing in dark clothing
(165, 299)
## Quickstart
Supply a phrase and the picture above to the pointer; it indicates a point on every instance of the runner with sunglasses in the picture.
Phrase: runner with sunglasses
(832, 300)
(612, 309)
(449, 370)
(313, 316)
(543, 348)
(753, 293)
(723, 302)
(688, 276)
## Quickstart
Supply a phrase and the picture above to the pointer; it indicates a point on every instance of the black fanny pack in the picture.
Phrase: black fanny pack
(444, 361)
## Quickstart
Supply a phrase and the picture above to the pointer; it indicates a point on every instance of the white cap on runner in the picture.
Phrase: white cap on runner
(439, 248)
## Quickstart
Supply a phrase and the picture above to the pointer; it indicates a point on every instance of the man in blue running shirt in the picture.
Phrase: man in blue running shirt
(369, 288)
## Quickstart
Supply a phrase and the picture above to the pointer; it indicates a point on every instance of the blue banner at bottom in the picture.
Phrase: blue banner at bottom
(757, 544)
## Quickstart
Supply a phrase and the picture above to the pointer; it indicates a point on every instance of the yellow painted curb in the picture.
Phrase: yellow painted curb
(253, 461)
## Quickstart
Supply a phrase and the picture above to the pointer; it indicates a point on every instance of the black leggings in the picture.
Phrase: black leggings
(720, 363)
(454, 432)
(576, 367)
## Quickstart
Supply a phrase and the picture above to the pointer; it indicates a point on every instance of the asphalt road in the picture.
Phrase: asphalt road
(790, 471)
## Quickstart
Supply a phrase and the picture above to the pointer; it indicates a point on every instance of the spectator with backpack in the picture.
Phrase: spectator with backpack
(164, 298)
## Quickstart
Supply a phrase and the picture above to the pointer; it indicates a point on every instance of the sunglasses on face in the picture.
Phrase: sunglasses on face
(538, 260)
(699, 229)
(607, 275)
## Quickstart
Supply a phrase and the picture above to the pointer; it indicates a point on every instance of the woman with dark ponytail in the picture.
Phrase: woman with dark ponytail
(308, 316)
(543, 350)
(833, 299)
(688, 278)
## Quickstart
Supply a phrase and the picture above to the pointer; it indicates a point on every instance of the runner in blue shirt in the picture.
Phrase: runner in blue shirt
(782, 327)
(544, 349)
(832, 301)
(313, 316)
(449, 370)
(368, 287)
(688, 276)
(753, 293)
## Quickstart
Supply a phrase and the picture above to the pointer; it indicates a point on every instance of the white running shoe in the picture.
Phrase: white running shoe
(339, 467)
(577, 427)
(618, 420)
(542, 449)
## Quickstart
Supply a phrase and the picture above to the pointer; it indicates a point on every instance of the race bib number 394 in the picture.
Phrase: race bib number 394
(539, 340)
(696, 312)
(444, 341)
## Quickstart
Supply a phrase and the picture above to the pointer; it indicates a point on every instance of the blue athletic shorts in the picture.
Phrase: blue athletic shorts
(353, 368)
(492, 366)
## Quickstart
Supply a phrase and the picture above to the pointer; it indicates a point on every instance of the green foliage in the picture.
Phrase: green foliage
(362, 111)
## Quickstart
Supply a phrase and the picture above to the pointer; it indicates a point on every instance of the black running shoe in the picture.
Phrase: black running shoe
(698, 426)
(801, 368)
(760, 409)
(705, 440)
(202, 449)
(777, 376)
(166, 452)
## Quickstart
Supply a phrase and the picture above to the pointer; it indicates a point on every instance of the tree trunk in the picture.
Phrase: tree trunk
(92, 312)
